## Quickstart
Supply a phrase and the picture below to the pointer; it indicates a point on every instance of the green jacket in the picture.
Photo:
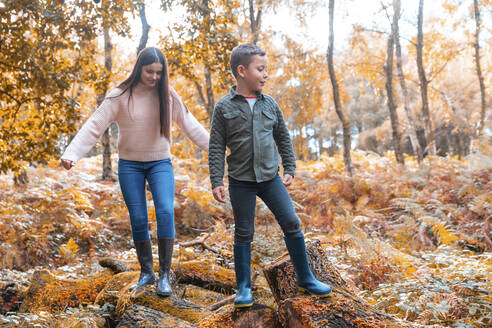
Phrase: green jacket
(253, 140)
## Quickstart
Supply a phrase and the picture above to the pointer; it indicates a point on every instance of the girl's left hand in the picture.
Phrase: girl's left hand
(287, 179)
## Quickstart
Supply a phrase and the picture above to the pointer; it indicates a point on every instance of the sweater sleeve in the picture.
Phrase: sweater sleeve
(92, 129)
(217, 148)
(284, 144)
(187, 122)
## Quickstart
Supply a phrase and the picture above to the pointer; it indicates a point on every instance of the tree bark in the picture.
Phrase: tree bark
(145, 29)
(206, 274)
(10, 297)
(338, 310)
(141, 316)
(429, 134)
(417, 150)
(255, 20)
(210, 93)
(389, 90)
(257, 316)
(336, 97)
(107, 174)
(479, 69)
(281, 276)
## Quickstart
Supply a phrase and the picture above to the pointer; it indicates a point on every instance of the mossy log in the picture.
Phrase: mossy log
(113, 288)
(207, 274)
(337, 311)
(258, 316)
(174, 306)
(90, 322)
(49, 293)
(281, 276)
(115, 265)
(342, 309)
(11, 297)
(143, 317)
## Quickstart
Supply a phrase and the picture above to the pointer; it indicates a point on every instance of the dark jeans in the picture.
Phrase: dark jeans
(274, 194)
(160, 177)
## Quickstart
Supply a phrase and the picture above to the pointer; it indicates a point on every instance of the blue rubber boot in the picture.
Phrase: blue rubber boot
(166, 246)
(306, 282)
(242, 266)
(144, 255)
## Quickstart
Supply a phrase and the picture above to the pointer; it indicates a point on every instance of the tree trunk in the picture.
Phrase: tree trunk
(107, 174)
(141, 316)
(255, 20)
(11, 297)
(281, 276)
(429, 134)
(479, 69)
(206, 274)
(257, 316)
(336, 97)
(338, 310)
(417, 150)
(389, 90)
(341, 309)
(145, 29)
(210, 93)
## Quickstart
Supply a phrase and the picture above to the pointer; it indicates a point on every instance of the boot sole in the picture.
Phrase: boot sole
(164, 294)
(135, 286)
(305, 291)
(238, 306)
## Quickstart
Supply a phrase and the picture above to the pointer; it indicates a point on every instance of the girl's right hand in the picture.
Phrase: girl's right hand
(67, 164)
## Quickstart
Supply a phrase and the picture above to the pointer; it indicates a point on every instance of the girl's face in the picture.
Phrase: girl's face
(151, 74)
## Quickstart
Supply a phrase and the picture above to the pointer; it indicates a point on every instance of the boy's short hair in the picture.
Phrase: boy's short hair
(241, 55)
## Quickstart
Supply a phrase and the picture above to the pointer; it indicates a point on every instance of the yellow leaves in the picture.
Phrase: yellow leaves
(70, 247)
(445, 236)
(202, 197)
(81, 199)
(362, 202)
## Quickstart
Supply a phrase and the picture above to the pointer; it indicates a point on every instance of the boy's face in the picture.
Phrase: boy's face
(255, 75)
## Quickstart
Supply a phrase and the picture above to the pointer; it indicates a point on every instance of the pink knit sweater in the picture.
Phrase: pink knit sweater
(139, 126)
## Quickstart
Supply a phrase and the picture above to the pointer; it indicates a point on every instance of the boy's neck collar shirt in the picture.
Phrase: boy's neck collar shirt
(233, 92)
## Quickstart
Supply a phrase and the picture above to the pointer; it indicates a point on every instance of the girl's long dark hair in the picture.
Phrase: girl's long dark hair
(149, 56)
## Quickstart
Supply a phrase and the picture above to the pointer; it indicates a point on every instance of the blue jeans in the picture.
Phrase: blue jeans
(274, 194)
(160, 177)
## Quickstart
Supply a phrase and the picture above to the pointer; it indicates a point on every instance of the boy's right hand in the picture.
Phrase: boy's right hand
(219, 194)
(67, 164)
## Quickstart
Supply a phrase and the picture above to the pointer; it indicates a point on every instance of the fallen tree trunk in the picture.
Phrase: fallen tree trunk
(257, 316)
(143, 317)
(206, 274)
(282, 278)
(343, 308)
(49, 293)
(172, 305)
(10, 297)
(335, 311)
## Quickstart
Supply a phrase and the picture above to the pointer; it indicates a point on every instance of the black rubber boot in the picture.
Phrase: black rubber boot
(242, 266)
(144, 255)
(165, 257)
(306, 282)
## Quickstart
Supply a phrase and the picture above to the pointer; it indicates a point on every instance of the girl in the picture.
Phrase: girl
(143, 106)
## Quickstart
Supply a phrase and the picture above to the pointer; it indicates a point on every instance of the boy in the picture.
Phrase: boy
(252, 126)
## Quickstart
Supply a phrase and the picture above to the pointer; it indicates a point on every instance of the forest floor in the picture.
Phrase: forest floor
(415, 242)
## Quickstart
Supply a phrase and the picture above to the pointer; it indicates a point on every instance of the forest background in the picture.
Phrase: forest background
(389, 118)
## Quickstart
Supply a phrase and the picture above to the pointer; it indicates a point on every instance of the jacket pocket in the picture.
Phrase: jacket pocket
(235, 121)
(269, 119)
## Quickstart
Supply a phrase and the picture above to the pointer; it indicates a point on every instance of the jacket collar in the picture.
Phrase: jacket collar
(233, 93)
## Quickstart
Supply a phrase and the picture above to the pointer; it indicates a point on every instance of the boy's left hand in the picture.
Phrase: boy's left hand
(287, 179)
